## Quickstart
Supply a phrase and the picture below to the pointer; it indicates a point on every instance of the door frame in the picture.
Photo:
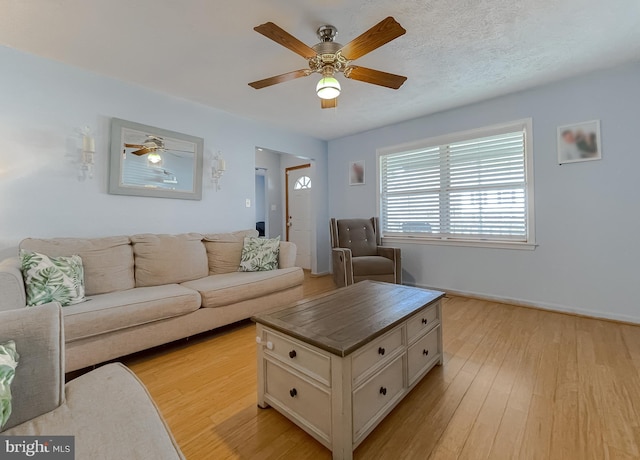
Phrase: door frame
(286, 193)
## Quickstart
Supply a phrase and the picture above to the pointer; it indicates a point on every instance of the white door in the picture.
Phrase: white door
(299, 219)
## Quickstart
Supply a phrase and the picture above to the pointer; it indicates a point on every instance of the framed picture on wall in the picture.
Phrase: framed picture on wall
(356, 173)
(579, 142)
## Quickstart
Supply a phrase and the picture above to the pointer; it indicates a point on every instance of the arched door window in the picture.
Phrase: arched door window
(302, 183)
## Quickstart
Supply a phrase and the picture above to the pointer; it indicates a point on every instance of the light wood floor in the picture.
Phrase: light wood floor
(516, 383)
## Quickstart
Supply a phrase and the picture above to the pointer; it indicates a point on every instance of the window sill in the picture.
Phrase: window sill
(517, 245)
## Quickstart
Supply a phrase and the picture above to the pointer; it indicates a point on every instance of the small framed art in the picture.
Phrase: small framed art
(579, 142)
(356, 173)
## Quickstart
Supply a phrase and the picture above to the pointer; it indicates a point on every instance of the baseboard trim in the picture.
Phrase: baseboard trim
(622, 319)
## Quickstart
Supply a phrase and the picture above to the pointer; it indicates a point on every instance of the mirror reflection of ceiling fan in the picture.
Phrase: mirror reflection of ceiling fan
(152, 144)
(329, 58)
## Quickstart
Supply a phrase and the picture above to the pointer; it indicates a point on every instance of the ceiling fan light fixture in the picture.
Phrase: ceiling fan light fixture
(154, 158)
(328, 88)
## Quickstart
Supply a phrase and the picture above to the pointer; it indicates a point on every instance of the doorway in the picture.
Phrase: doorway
(298, 186)
(275, 165)
(262, 203)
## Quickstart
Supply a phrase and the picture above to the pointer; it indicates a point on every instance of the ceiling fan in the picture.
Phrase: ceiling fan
(329, 57)
(152, 144)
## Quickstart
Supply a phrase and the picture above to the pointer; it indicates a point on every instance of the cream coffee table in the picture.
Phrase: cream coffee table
(337, 364)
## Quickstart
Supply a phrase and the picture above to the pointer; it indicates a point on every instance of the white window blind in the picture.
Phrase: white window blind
(471, 189)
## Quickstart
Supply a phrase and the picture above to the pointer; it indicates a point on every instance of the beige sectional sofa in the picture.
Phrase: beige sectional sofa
(149, 289)
(95, 408)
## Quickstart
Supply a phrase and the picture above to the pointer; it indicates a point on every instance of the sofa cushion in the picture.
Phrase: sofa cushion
(167, 259)
(8, 363)
(224, 250)
(372, 265)
(107, 262)
(259, 254)
(230, 288)
(52, 279)
(110, 312)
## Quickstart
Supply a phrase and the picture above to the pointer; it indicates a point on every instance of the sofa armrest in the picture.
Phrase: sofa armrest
(11, 285)
(38, 386)
(393, 254)
(287, 256)
(342, 267)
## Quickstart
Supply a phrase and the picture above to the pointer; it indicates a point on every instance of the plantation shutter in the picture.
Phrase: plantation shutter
(469, 189)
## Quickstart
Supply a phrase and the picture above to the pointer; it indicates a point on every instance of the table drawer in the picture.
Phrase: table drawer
(376, 352)
(377, 394)
(422, 354)
(308, 402)
(422, 321)
(301, 357)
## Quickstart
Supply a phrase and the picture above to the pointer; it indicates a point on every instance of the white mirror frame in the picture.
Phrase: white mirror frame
(116, 185)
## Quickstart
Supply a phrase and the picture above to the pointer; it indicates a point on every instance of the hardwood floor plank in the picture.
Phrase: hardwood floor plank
(516, 383)
(537, 433)
(479, 443)
(511, 432)
(564, 433)
(491, 353)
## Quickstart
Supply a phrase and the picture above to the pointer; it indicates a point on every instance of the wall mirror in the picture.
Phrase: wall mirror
(154, 162)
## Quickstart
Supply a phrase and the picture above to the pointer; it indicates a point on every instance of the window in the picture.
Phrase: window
(302, 183)
(468, 187)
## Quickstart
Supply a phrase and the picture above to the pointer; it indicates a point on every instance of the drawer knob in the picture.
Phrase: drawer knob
(424, 320)
(292, 354)
(293, 392)
(383, 391)
(381, 351)
(425, 352)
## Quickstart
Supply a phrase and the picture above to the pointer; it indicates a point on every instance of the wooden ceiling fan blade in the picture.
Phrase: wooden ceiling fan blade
(284, 38)
(376, 77)
(386, 30)
(329, 103)
(279, 78)
(143, 151)
(134, 146)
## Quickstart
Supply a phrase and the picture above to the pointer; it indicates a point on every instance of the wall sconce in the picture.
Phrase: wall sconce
(88, 151)
(218, 167)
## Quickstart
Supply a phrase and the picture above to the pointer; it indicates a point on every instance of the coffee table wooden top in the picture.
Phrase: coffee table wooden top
(344, 320)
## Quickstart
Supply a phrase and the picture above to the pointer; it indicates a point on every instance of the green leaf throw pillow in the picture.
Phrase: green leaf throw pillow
(259, 254)
(48, 279)
(8, 363)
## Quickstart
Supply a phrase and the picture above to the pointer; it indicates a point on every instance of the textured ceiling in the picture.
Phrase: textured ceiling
(455, 52)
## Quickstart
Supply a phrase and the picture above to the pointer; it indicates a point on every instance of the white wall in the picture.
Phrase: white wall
(44, 104)
(587, 214)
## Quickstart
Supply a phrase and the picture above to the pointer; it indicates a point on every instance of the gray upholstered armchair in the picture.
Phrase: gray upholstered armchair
(357, 253)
